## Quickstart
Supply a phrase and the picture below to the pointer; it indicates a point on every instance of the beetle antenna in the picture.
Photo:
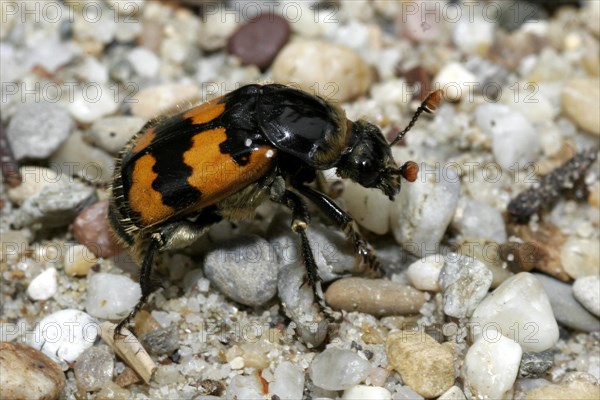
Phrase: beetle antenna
(429, 105)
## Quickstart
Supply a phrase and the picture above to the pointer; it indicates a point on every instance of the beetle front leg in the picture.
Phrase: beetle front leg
(300, 221)
(370, 263)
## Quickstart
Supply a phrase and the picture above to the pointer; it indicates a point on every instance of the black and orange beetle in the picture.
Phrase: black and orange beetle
(220, 160)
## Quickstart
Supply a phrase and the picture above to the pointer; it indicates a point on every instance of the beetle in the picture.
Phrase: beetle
(219, 160)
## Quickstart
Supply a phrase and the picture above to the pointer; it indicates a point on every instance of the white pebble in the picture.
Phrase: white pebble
(456, 81)
(369, 207)
(289, 381)
(337, 369)
(491, 367)
(153, 101)
(111, 296)
(423, 274)
(423, 210)
(587, 291)
(43, 286)
(65, 334)
(363, 392)
(580, 257)
(245, 387)
(144, 62)
(515, 142)
(78, 260)
(93, 102)
(474, 36)
(519, 308)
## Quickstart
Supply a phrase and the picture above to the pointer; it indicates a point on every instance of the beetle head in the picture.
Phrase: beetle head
(368, 161)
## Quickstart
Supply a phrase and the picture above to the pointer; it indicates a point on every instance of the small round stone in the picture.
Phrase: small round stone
(244, 269)
(425, 365)
(454, 79)
(26, 138)
(43, 286)
(26, 373)
(34, 180)
(161, 341)
(474, 219)
(78, 260)
(535, 365)
(580, 100)
(337, 369)
(113, 133)
(574, 385)
(587, 291)
(94, 369)
(111, 296)
(580, 257)
(377, 297)
(330, 70)
(289, 381)
(65, 334)
(258, 41)
(144, 61)
(465, 282)
(491, 367)
(454, 393)
(91, 229)
(424, 273)
(364, 392)
(370, 208)
(88, 106)
(155, 100)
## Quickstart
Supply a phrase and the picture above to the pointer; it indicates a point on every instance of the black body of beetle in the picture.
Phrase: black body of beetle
(221, 159)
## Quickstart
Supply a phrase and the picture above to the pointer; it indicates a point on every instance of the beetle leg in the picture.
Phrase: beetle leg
(171, 236)
(370, 263)
(300, 221)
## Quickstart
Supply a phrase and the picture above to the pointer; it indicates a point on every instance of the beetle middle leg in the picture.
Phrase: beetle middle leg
(171, 236)
(370, 263)
(300, 222)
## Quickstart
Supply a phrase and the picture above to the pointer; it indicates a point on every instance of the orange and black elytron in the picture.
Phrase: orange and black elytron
(221, 159)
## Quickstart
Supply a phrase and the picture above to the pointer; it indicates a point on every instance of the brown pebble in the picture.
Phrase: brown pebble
(27, 373)
(377, 297)
(91, 228)
(258, 41)
(127, 377)
(419, 79)
(539, 250)
(10, 168)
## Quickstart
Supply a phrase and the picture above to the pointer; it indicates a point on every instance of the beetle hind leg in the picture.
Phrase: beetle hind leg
(299, 225)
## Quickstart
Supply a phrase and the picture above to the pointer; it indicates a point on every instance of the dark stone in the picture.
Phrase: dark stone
(535, 365)
(161, 341)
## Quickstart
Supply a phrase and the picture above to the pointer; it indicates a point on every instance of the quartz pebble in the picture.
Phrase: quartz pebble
(514, 139)
(153, 101)
(580, 100)
(474, 36)
(338, 369)
(363, 392)
(113, 133)
(423, 210)
(299, 304)
(43, 286)
(91, 228)
(455, 80)
(78, 260)
(580, 257)
(34, 180)
(425, 366)
(491, 367)
(587, 291)
(475, 219)
(162, 340)
(377, 297)
(424, 273)
(26, 138)
(26, 373)
(79, 158)
(289, 381)
(65, 334)
(465, 282)
(145, 63)
(370, 208)
(89, 105)
(111, 296)
(519, 308)
(55, 205)
(566, 309)
(534, 365)
(575, 385)
(244, 269)
(313, 65)
(245, 387)
(94, 368)
(258, 41)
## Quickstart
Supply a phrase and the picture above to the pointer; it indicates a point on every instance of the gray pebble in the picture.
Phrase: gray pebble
(244, 269)
(298, 302)
(38, 129)
(55, 205)
(535, 365)
(566, 309)
(587, 291)
(161, 341)
(113, 133)
(474, 219)
(465, 281)
(94, 368)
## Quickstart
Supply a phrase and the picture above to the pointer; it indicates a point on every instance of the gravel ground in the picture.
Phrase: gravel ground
(491, 257)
